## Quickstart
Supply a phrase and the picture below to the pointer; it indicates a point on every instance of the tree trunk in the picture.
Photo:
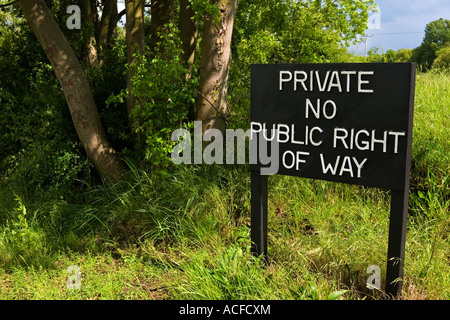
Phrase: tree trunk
(135, 42)
(108, 20)
(188, 34)
(87, 18)
(76, 89)
(162, 13)
(112, 30)
(214, 66)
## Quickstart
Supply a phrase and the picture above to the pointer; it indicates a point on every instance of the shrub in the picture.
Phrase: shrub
(164, 97)
(22, 243)
(442, 61)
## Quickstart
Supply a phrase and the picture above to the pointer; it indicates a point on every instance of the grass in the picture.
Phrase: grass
(187, 235)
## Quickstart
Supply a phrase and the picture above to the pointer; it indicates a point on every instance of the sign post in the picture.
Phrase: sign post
(396, 245)
(348, 123)
(259, 213)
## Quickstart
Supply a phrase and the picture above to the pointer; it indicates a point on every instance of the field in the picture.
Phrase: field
(186, 235)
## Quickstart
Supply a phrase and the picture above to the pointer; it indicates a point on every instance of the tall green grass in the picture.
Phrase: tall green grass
(431, 135)
(187, 235)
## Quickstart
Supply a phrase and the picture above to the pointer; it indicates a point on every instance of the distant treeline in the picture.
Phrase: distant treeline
(433, 53)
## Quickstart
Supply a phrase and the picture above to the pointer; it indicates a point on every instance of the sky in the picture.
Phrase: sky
(401, 23)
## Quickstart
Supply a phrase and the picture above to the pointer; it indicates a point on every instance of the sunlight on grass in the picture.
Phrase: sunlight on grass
(187, 235)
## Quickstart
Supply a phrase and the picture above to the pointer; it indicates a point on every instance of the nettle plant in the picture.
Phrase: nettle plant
(165, 96)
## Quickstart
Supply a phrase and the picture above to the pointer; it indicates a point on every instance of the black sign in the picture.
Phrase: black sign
(347, 123)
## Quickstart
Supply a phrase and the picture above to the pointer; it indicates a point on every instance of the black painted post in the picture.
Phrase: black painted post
(259, 213)
(396, 246)
(399, 210)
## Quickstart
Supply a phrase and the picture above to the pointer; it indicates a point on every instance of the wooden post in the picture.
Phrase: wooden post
(259, 213)
(399, 210)
(396, 245)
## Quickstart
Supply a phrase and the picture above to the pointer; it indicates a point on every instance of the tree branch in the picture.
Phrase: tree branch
(122, 13)
(7, 4)
(222, 115)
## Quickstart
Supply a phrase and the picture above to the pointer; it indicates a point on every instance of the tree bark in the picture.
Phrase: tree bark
(214, 66)
(188, 34)
(76, 89)
(112, 30)
(135, 42)
(87, 18)
(162, 13)
(109, 15)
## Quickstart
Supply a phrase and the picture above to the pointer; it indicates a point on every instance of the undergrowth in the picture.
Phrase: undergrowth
(185, 234)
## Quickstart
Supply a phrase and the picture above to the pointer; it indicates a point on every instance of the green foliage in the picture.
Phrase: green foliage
(201, 7)
(391, 56)
(232, 275)
(374, 56)
(22, 242)
(431, 137)
(187, 235)
(431, 54)
(307, 31)
(442, 61)
(108, 80)
(164, 97)
(38, 148)
(289, 32)
(437, 36)
(404, 55)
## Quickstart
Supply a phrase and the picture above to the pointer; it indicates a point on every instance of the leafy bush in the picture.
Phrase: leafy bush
(442, 61)
(404, 55)
(164, 96)
(22, 243)
(107, 80)
(38, 143)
